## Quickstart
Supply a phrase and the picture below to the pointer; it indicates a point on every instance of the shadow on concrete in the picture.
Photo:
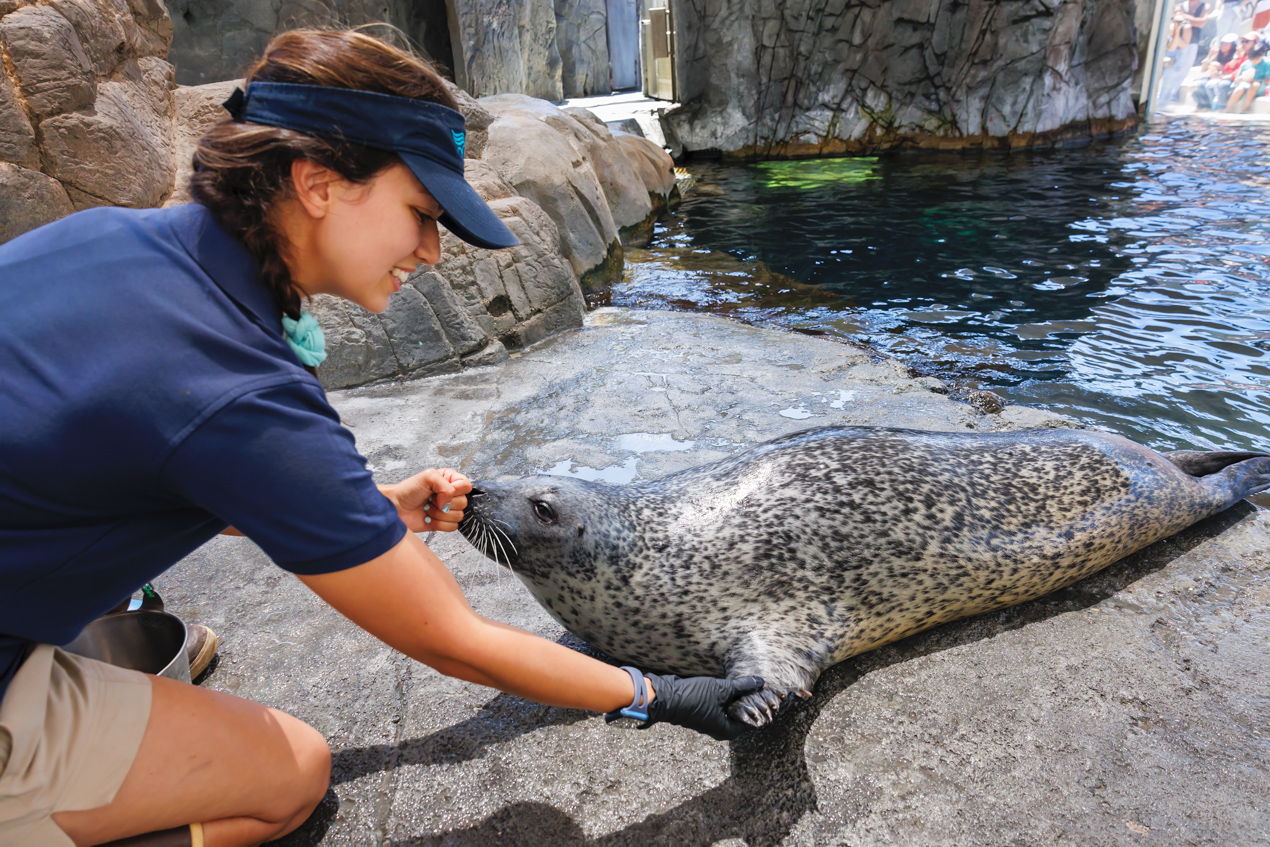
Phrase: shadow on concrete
(501, 719)
(770, 787)
(314, 829)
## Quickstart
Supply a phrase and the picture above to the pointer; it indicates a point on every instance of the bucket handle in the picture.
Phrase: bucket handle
(150, 602)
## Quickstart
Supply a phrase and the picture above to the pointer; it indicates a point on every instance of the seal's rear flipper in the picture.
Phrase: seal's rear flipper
(1204, 462)
(1237, 481)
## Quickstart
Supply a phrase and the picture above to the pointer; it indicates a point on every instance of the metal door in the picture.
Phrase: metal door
(623, 28)
(657, 47)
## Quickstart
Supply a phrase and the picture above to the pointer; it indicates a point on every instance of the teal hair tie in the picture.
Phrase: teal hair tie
(306, 339)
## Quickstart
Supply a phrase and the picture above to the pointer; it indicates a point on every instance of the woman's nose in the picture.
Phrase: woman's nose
(429, 250)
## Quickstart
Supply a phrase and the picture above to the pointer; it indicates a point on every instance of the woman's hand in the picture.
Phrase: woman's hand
(698, 702)
(431, 500)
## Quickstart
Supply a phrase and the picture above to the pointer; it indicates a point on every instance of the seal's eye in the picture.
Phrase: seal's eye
(544, 512)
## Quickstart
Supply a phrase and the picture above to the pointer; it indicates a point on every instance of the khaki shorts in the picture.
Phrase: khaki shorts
(69, 730)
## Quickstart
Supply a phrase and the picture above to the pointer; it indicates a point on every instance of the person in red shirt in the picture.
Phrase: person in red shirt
(1252, 79)
(1227, 60)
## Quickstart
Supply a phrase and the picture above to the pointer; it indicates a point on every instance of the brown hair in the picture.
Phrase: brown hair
(242, 170)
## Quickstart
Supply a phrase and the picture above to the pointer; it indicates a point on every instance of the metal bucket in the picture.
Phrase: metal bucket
(145, 640)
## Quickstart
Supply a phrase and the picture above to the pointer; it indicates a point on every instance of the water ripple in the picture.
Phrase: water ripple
(1125, 284)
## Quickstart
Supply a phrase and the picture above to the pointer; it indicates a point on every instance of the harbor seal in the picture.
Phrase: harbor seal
(803, 551)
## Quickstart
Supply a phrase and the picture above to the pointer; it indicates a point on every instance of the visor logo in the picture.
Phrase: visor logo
(460, 138)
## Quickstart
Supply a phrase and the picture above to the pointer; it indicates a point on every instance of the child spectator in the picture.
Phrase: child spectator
(1222, 68)
(1251, 80)
(1222, 52)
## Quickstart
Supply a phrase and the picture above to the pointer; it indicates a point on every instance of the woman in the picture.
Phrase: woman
(156, 376)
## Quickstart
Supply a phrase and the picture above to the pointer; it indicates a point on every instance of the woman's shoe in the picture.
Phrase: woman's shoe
(200, 648)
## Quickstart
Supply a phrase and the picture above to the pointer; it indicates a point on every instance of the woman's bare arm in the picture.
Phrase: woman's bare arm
(410, 601)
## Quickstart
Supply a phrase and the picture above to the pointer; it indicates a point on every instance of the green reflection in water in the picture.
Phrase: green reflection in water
(813, 173)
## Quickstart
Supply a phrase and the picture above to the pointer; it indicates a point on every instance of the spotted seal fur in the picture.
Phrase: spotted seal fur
(803, 551)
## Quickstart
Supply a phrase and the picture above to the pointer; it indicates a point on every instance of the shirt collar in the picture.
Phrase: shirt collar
(225, 259)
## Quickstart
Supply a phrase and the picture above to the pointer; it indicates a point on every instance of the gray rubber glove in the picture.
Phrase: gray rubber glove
(698, 702)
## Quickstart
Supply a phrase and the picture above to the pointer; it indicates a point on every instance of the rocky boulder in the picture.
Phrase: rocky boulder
(86, 108)
(119, 151)
(46, 54)
(593, 185)
(29, 199)
(197, 109)
(17, 136)
(761, 80)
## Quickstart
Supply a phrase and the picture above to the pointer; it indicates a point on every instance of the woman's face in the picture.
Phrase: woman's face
(372, 237)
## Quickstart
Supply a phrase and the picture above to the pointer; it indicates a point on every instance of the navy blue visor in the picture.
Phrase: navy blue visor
(428, 137)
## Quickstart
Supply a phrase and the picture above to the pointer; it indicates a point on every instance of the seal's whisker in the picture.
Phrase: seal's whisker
(506, 537)
(503, 549)
(497, 554)
(488, 549)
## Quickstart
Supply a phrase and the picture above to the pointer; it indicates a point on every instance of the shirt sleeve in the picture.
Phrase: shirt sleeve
(277, 465)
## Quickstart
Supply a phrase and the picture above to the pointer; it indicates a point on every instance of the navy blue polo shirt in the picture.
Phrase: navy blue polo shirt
(148, 399)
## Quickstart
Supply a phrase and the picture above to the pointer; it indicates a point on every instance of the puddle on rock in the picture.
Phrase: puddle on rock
(647, 442)
(617, 474)
(844, 397)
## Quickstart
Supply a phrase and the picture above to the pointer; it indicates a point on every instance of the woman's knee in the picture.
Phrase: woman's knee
(312, 778)
(313, 762)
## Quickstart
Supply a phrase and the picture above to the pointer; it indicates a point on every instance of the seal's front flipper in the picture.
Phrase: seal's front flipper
(762, 707)
(757, 709)
(782, 662)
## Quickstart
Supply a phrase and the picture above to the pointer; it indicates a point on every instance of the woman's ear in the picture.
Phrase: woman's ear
(313, 184)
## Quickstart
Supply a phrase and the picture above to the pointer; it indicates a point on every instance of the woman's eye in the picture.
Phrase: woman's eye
(424, 217)
(545, 513)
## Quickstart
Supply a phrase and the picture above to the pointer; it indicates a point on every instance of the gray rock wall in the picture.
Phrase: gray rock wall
(215, 40)
(508, 46)
(804, 78)
(85, 108)
(582, 37)
(544, 48)
(1142, 21)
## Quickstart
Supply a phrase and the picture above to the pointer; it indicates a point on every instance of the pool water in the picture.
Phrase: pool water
(1126, 284)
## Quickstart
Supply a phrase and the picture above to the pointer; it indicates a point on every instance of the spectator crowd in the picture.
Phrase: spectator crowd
(1216, 50)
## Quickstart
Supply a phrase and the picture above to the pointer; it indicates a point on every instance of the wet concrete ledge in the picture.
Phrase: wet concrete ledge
(1129, 708)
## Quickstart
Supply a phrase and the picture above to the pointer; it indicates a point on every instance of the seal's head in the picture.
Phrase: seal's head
(544, 527)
